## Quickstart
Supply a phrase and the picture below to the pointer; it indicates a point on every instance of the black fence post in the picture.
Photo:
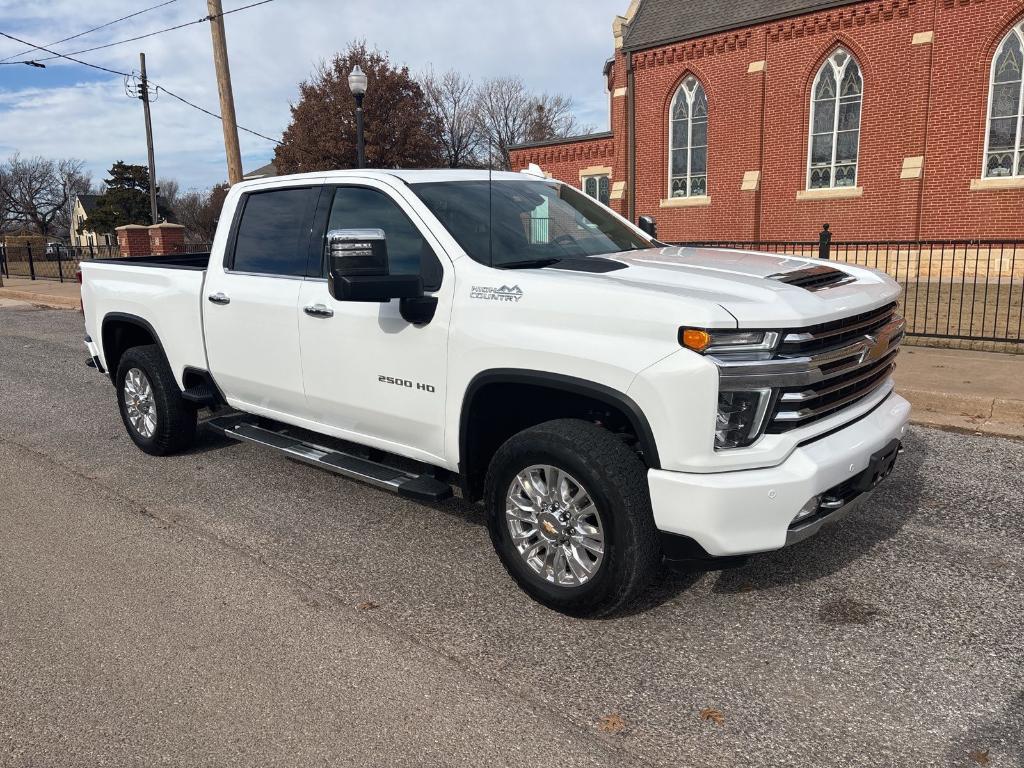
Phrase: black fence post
(31, 263)
(60, 269)
(824, 242)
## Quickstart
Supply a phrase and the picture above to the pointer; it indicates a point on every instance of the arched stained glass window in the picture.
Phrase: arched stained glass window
(835, 123)
(1004, 142)
(688, 140)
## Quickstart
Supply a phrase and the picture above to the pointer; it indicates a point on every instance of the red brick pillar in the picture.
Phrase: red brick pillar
(133, 240)
(166, 238)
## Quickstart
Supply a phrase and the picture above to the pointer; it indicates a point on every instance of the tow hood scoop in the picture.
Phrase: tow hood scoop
(813, 278)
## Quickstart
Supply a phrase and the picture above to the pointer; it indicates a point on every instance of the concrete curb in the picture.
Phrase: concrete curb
(966, 413)
(41, 299)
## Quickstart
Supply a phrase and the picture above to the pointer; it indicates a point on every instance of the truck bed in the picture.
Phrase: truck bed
(162, 294)
(197, 261)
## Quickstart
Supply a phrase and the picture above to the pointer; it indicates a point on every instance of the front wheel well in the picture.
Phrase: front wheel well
(495, 410)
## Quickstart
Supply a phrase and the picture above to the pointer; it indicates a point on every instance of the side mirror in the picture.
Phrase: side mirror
(648, 225)
(358, 268)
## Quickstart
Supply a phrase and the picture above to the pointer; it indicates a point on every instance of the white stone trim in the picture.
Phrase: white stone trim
(830, 193)
(693, 201)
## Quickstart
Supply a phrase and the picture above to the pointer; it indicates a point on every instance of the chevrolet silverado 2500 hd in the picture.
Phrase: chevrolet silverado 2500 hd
(611, 399)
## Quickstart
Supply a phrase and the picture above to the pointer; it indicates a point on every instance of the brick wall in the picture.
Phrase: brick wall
(925, 96)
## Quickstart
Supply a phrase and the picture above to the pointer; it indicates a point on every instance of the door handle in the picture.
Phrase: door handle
(219, 298)
(318, 310)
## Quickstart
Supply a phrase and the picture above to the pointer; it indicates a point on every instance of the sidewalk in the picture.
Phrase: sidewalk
(971, 391)
(957, 389)
(48, 293)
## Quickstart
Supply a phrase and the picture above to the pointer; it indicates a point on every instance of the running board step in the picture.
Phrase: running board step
(419, 487)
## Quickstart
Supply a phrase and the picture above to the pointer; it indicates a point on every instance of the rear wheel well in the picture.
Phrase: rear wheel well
(495, 411)
(121, 334)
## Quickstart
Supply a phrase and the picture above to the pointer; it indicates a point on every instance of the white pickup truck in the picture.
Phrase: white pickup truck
(611, 399)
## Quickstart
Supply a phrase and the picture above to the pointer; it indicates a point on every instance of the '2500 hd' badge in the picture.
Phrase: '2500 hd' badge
(505, 293)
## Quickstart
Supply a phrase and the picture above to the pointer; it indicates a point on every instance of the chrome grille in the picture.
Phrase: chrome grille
(848, 360)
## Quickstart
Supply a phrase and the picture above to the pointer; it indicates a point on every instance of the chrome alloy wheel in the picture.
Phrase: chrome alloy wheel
(139, 402)
(555, 525)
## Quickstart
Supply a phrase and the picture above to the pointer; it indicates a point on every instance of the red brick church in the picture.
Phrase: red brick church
(762, 119)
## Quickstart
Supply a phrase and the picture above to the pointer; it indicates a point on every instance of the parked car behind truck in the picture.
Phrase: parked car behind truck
(610, 399)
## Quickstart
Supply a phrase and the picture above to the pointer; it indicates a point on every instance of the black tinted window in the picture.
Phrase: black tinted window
(273, 232)
(408, 251)
(510, 222)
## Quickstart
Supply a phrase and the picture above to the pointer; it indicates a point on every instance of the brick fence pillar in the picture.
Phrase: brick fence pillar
(166, 238)
(133, 240)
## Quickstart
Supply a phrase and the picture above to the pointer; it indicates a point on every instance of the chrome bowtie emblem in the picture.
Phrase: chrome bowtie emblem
(875, 347)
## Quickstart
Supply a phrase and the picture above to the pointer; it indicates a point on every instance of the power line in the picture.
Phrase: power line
(126, 74)
(89, 31)
(203, 20)
(173, 95)
(215, 115)
(58, 55)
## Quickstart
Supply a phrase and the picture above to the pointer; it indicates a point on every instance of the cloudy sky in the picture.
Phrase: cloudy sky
(68, 110)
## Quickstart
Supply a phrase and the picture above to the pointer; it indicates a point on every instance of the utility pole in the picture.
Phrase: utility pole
(227, 99)
(144, 95)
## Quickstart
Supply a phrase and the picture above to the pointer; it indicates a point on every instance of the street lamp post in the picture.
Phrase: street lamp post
(357, 84)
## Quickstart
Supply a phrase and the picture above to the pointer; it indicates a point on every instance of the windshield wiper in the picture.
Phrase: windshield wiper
(529, 263)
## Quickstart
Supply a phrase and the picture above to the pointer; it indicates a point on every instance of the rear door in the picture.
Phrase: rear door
(250, 302)
(371, 376)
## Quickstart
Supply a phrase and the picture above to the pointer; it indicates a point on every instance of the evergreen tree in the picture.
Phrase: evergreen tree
(125, 200)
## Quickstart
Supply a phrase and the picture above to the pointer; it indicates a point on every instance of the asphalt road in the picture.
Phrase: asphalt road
(229, 607)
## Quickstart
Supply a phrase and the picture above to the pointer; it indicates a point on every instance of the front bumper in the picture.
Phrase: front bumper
(735, 513)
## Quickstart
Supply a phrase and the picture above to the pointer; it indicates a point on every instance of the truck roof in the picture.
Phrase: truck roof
(410, 177)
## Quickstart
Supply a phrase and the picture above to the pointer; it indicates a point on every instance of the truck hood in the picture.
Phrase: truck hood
(746, 284)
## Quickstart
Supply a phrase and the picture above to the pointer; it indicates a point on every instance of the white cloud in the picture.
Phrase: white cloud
(554, 45)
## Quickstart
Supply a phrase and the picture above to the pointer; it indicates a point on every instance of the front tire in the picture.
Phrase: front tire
(569, 514)
(158, 419)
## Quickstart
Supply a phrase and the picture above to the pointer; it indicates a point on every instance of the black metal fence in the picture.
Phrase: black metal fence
(952, 289)
(60, 262)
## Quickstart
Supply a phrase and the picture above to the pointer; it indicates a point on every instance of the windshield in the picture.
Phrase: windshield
(526, 223)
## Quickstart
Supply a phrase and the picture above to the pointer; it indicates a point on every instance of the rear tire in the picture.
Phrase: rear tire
(158, 419)
(554, 558)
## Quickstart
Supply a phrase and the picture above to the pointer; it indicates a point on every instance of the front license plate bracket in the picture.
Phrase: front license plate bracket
(880, 466)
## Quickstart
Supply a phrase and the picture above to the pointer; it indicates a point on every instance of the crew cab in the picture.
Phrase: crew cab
(612, 400)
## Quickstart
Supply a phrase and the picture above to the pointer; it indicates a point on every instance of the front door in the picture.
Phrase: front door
(371, 376)
(250, 302)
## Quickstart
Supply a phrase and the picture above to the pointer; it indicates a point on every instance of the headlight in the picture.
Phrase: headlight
(740, 417)
(727, 342)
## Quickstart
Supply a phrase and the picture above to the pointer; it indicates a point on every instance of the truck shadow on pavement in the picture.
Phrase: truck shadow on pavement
(831, 550)
(836, 546)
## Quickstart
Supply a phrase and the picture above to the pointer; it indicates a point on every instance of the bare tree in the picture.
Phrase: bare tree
(168, 191)
(198, 211)
(453, 99)
(36, 192)
(551, 117)
(507, 114)
(503, 114)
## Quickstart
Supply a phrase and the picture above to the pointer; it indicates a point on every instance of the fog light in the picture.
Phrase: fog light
(740, 417)
(808, 509)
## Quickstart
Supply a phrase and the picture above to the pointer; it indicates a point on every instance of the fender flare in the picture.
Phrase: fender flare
(619, 400)
(124, 317)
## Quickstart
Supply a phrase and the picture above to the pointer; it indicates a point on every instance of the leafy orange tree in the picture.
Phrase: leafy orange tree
(401, 130)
